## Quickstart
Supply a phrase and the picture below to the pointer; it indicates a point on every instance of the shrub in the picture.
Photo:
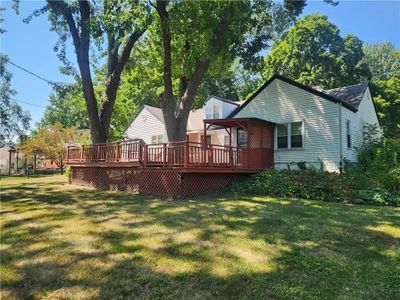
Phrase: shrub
(380, 162)
(67, 171)
(315, 185)
(379, 196)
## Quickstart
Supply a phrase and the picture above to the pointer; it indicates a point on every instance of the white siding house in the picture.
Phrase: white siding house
(149, 123)
(310, 122)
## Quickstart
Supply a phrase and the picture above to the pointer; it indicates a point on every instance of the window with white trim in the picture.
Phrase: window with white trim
(213, 111)
(289, 135)
(348, 134)
(158, 139)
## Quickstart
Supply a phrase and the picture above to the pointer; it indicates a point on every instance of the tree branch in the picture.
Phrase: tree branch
(66, 12)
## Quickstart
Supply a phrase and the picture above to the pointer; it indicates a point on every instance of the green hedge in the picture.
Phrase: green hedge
(316, 185)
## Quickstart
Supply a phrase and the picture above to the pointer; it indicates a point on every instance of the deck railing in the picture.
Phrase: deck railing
(177, 154)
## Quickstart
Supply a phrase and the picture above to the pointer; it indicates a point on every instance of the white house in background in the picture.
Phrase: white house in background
(149, 125)
(312, 125)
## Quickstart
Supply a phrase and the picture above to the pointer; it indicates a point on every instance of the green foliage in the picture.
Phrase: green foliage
(13, 120)
(67, 171)
(383, 60)
(304, 184)
(314, 53)
(67, 107)
(316, 185)
(379, 196)
(380, 162)
(51, 143)
(387, 99)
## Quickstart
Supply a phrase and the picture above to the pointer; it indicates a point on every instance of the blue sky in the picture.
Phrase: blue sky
(31, 46)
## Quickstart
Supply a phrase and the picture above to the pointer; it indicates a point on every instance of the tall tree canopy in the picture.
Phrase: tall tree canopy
(198, 36)
(314, 53)
(383, 60)
(13, 120)
(113, 28)
(387, 98)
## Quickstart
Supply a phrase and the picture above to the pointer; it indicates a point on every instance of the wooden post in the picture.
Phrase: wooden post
(82, 152)
(164, 154)
(186, 154)
(17, 161)
(118, 149)
(145, 154)
(34, 164)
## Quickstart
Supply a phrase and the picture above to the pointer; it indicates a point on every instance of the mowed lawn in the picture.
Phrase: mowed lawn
(68, 242)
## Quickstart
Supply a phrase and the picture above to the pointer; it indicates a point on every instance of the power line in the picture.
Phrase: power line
(20, 101)
(54, 84)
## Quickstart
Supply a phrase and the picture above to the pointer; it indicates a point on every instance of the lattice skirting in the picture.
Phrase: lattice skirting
(158, 182)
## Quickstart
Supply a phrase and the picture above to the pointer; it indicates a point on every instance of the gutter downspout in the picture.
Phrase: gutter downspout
(340, 139)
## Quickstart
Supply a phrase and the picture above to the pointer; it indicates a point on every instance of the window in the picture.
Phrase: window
(208, 139)
(283, 136)
(226, 140)
(242, 137)
(212, 112)
(348, 134)
(158, 139)
(289, 135)
(296, 135)
(215, 111)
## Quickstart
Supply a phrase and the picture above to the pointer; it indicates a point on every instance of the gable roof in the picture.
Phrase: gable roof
(157, 112)
(237, 103)
(322, 94)
(352, 94)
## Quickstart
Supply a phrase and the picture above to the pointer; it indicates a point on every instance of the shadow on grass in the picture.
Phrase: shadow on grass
(58, 241)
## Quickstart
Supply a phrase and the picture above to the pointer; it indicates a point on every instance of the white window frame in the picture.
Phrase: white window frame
(348, 134)
(159, 139)
(289, 136)
(210, 113)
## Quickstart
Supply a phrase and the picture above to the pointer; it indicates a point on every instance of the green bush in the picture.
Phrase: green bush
(380, 162)
(379, 196)
(67, 171)
(315, 185)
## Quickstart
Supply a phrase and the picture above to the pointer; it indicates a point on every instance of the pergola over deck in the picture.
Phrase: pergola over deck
(259, 142)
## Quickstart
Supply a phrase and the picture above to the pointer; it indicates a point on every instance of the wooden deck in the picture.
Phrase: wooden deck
(174, 170)
(189, 156)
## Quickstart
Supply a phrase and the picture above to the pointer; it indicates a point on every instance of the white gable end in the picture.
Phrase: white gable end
(144, 126)
(281, 102)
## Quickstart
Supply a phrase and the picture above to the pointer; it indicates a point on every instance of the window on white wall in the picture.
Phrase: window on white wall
(348, 134)
(283, 140)
(296, 135)
(212, 112)
(158, 139)
(215, 111)
(289, 135)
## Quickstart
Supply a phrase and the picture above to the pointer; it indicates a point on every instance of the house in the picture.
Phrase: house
(149, 125)
(284, 124)
(314, 127)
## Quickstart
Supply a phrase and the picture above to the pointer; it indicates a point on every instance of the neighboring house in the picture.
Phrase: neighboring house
(149, 125)
(7, 158)
(312, 125)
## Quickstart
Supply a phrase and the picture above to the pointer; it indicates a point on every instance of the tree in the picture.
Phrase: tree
(200, 35)
(13, 120)
(314, 53)
(116, 24)
(387, 98)
(51, 143)
(383, 60)
(67, 107)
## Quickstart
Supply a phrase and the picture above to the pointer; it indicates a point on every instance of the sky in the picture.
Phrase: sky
(31, 45)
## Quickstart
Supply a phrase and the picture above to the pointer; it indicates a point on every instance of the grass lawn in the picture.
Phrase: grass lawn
(61, 241)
